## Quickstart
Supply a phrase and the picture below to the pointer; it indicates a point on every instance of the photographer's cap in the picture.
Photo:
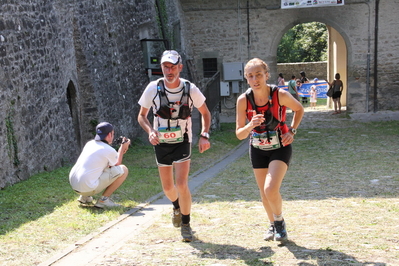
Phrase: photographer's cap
(102, 130)
(170, 56)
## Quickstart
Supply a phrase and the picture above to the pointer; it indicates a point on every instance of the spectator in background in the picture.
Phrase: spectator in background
(292, 87)
(298, 86)
(280, 80)
(337, 91)
(304, 79)
(313, 97)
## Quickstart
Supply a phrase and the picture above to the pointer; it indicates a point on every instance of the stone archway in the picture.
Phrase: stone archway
(337, 54)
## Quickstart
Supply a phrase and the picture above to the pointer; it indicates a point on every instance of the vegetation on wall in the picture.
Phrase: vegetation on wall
(162, 20)
(306, 42)
(11, 139)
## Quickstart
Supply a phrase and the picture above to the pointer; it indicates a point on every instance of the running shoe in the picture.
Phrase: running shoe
(106, 203)
(85, 199)
(186, 233)
(280, 231)
(176, 217)
(269, 233)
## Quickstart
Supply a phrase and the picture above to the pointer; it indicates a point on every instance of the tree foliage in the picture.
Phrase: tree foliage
(306, 42)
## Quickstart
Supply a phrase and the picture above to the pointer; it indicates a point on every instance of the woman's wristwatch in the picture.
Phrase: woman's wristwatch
(293, 130)
(204, 135)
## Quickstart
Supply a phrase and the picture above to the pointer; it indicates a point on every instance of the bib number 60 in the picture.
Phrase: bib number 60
(169, 135)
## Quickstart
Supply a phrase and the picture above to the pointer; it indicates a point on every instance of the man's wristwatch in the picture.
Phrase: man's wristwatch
(293, 130)
(205, 135)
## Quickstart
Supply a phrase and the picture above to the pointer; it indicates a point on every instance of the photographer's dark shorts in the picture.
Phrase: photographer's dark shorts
(261, 159)
(167, 154)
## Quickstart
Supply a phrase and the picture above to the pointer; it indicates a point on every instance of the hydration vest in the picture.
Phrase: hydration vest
(166, 109)
(274, 114)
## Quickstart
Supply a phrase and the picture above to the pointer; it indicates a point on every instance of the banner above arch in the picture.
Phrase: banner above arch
(285, 4)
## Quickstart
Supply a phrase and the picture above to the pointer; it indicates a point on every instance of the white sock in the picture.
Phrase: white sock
(278, 217)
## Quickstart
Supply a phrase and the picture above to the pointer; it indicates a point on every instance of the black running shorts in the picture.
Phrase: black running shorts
(261, 159)
(167, 154)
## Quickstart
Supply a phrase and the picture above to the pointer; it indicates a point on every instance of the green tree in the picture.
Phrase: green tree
(306, 42)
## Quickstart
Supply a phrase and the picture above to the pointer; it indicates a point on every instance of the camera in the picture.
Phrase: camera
(119, 140)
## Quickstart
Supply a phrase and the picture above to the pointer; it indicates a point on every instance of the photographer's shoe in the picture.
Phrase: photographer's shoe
(280, 231)
(85, 199)
(176, 217)
(106, 203)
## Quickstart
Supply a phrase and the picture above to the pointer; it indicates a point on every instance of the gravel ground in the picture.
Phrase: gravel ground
(336, 216)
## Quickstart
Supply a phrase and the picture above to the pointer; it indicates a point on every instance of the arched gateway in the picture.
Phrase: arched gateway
(235, 31)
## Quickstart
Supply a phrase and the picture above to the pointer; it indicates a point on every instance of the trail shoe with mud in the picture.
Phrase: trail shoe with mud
(269, 233)
(280, 231)
(186, 233)
(176, 217)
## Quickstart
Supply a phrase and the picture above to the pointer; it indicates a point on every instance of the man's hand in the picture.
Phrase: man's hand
(153, 137)
(125, 144)
(203, 144)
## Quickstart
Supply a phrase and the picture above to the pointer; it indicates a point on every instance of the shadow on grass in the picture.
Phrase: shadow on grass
(233, 252)
(263, 255)
(37, 197)
(323, 256)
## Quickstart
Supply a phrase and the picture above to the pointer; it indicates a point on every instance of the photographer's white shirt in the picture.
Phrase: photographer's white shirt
(95, 157)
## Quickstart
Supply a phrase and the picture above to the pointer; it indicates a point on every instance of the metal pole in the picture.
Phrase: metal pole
(249, 40)
(376, 55)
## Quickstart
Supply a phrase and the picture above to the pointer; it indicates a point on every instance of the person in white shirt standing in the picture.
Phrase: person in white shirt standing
(99, 167)
(172, 100)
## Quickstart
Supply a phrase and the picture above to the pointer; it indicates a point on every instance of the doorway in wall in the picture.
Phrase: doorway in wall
(74, 110)
(318, 50)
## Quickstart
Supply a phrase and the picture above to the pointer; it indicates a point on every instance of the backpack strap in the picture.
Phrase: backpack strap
(250, 96)
(160, 93)
(186, 92)
(273, 88)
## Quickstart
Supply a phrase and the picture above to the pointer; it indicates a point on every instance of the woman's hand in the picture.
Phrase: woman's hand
(287, 138)
(257, 120)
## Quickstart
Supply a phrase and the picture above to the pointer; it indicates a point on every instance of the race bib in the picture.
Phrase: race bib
(264, 142)
(171, 135)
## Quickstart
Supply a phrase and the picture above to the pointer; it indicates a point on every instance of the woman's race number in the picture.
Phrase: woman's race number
(266, 142)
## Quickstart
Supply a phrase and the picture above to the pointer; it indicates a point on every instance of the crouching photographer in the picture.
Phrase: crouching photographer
(99, 167)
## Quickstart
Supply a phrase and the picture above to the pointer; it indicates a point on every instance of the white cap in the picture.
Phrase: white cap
(170, 56)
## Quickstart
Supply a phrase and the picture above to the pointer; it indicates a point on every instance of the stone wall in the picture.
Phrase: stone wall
(312, 70)
(65, 66)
